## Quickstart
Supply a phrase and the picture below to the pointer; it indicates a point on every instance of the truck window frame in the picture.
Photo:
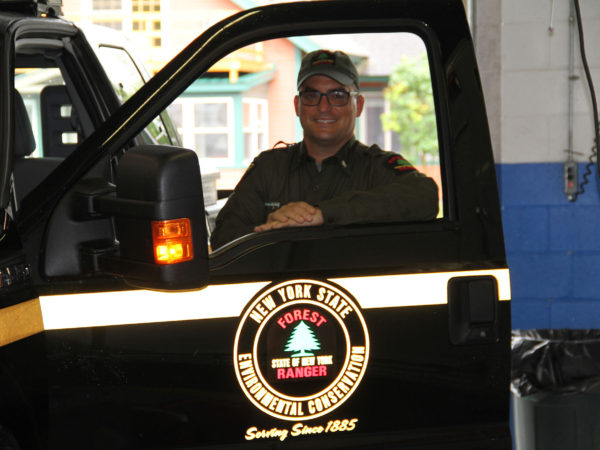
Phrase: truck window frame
(253, 255)
(219, 256)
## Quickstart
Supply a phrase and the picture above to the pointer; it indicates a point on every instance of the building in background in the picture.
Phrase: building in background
(244, 103)
(225, 116)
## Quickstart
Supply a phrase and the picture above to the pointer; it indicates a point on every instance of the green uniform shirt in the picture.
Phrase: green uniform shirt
(359, 184)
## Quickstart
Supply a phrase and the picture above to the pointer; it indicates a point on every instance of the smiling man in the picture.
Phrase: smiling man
(329, 177)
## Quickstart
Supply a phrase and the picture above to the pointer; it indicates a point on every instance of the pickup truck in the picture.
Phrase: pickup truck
(119, 328)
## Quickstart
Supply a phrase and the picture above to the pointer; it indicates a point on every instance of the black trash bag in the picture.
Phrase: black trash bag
(561, 361)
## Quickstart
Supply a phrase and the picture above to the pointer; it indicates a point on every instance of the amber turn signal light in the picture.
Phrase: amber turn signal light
(172, 241)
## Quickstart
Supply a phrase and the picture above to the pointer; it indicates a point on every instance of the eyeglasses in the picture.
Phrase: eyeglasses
(337, 97)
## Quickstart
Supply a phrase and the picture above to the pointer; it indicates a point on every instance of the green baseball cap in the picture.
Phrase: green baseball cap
(335, 65)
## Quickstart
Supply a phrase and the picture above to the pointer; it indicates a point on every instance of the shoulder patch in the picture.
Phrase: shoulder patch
(399, 164)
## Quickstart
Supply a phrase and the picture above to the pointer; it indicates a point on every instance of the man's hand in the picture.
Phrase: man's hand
(294, 214)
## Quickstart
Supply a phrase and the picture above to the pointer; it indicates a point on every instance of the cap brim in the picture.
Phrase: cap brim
(333, 74)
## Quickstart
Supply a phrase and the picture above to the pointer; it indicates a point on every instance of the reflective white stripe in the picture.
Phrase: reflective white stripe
(414, 289)
(131, 307)
(228, 300)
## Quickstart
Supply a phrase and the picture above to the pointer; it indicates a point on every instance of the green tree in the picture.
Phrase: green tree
(412, 113)
(301, 340)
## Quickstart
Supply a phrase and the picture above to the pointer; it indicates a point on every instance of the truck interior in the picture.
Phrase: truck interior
(54, 111)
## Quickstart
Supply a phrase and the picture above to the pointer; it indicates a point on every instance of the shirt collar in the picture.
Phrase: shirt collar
(342, 156)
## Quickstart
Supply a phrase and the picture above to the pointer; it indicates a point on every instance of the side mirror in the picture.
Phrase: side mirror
(160, 221)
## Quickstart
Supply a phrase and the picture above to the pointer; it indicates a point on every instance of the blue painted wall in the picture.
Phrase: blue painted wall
(553, 247)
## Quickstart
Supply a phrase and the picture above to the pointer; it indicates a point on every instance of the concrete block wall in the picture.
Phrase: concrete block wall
(553, 245)
(553, 248)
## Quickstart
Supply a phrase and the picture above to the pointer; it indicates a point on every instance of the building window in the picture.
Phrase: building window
(106, 4)
(255, 120)
(370, 123)
(207, 126)
(145, 5)
(210, 129)
(138, 25)
(146, 19)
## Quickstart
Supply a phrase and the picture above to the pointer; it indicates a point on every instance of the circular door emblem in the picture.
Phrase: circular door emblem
(301, 349)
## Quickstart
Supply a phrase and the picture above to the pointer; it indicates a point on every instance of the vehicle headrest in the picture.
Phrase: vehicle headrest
(24, 143)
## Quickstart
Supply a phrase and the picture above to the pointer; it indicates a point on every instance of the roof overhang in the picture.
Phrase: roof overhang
(209, 85)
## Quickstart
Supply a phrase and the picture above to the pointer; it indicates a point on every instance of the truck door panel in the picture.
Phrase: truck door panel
(435, 351)
(160, 371)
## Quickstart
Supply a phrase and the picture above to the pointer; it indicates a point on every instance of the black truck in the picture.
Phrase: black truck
(121, 329)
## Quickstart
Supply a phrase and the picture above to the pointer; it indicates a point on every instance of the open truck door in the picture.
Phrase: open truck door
(123, 331)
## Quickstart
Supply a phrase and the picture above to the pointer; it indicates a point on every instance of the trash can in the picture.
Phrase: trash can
(555, 382)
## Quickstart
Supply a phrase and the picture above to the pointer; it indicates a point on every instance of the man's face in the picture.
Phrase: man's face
(323, 124)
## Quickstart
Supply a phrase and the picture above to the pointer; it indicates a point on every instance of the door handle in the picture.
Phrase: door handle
(473, 309)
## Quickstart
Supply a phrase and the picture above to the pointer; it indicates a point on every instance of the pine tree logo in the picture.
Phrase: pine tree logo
(301, 349)
(302, 340)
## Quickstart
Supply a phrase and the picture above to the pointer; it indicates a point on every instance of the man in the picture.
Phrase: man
(329, 177)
